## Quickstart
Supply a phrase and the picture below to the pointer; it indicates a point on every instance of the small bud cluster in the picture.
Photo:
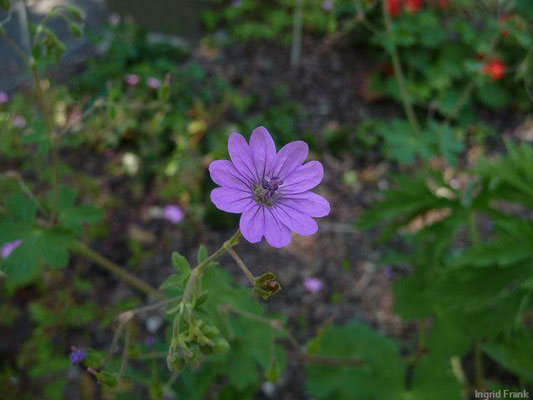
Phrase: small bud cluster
(193, 338)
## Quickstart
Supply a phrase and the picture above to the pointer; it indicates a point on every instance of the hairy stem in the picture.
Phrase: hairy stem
(197, 271)
(52, 136)
(116, 270)
(296, 47)
(125, 352)
(398, 72)
(242, 266)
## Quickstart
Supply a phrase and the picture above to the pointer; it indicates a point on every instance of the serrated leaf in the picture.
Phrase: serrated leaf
(379, 377)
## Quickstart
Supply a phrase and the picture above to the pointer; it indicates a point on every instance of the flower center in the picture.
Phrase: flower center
(265, 192)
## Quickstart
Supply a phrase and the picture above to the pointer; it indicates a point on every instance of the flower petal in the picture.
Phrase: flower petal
(252, 223)
(290, 157)
(276, 233)
(294, 219)
(241, 156)
(263, 150)
(303, 178)
(224, 174)
(309, 203)
(231, 200)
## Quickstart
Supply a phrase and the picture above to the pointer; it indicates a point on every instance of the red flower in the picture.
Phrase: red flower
(413, 5)
(394, 7)
(494, 68)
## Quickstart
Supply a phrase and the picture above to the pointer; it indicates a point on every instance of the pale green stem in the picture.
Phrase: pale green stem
(296, 47)
(398, 72)
(110, 266)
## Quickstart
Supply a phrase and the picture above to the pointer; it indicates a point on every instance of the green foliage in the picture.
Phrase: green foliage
(380, 375)
(480, 290)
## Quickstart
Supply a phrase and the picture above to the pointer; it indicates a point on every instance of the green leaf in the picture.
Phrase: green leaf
(434, 379)
(202, 254)
(379, 377)
(180, 264)
(21, 208)
(173, 282)
(515, 353)
(23, 263)
(409, 306)
(75, 217)
(94, 359)
(54, 249)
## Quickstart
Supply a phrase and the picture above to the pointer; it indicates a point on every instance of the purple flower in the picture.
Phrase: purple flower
(236, 3)
(150, 341)
(153, 83)
(77, 355)
(19, 121)
(173, 214)
(389, 273)
(327, 5)
(8, 248)
(4, 97)
(132, 79)
(313, 285)
(270, 189)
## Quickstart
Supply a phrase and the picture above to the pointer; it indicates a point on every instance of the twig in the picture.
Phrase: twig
(115, 269)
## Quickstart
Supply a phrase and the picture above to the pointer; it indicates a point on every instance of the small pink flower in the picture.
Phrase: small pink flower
(173, 214)
(313, 285)
(8, 248)
(4, 97)
(19, 121)
(114, 19)
(327, 5)
(153, 83)
(132, 79)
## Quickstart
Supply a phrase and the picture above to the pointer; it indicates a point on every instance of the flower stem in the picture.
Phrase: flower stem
(197, 271)
(125, 352)
(241, 264)
(52, 137)
(116, 270)
(296, 47)
(398, 72)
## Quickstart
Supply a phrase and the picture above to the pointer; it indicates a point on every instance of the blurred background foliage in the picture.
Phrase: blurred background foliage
(447, 89)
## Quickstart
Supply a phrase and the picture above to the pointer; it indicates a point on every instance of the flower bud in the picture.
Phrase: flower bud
(266, 285)
(221, 346)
